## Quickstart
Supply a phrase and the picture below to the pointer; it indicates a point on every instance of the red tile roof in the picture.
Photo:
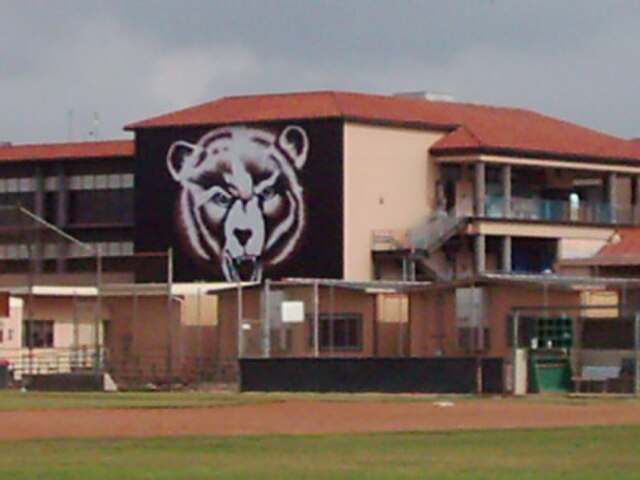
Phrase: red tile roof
(67, 151)
(475, 128)
(624, 242)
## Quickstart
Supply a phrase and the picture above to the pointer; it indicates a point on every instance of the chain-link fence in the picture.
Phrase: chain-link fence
(299, 318)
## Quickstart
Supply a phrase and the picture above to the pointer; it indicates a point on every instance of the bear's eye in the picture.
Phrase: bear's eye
(221, 198)
(268, 193)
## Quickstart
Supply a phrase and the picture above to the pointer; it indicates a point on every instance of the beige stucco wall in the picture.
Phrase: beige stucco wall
(542, 230)
(73, 328)
(11, 326)
(579, 247)
(389, 183)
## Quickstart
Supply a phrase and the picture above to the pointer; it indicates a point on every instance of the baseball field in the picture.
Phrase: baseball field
(220, 435)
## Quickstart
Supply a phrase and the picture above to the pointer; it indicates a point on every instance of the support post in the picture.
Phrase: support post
(480, 253)
(266, 323)
(98, 312)
(38, 201)
(199, 362)
(612, 196)
(169, 359)
(506, 191)
(62, 210)
(480, 189)
(636, 347)
(400, 326)
(506, 253)
(316, 320)
(134, 332)
(331, 320)
(635, 207)
(516, 336)
(76, 337)
(239, 319)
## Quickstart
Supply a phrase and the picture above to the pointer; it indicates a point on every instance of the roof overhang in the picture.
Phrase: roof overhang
(593, 164)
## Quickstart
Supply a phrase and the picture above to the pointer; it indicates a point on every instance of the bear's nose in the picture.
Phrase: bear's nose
(242, 234)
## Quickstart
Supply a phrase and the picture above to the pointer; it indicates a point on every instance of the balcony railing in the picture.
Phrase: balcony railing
(562, 211)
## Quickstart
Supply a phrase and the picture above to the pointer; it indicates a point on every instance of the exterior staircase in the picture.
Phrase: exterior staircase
(418, 245)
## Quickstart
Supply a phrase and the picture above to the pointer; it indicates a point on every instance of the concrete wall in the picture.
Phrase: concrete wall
(389, 183)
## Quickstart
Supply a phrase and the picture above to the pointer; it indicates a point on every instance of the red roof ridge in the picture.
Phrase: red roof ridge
(461, 137)
(227, 98)
(71, 143)
(338, 100)
(488, 128)
(67, 150)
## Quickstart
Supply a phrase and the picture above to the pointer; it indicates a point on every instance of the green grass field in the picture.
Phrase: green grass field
(15, 400)
(585, 453)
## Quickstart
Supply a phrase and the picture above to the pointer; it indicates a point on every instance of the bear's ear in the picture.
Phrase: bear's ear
(176, 158)
(293, 140)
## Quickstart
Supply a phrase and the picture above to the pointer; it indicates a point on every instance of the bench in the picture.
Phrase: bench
(596, 375)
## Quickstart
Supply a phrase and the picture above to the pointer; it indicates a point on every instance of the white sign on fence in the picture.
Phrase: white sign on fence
(292, 312)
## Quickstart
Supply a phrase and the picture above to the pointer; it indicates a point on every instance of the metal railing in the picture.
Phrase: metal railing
(549, 210)
(51, 360)
(433, 230)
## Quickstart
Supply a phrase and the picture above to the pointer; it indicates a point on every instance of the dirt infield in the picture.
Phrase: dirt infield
(303, 416)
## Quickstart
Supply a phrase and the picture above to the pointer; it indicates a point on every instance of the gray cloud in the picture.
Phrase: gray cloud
(131, 59)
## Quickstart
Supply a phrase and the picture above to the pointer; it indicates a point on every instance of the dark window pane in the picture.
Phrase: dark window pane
(340, 331)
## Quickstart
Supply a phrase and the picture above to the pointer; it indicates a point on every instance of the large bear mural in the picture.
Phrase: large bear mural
(240, 202)
(241, 205)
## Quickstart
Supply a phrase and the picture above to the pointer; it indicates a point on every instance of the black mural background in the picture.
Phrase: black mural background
(321, 248)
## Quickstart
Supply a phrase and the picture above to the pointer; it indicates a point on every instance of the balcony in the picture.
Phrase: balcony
(564, 211)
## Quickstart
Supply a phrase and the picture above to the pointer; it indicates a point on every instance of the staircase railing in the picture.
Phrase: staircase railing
(434, 231)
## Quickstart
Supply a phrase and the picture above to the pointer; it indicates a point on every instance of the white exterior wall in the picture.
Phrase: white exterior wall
(69, 315)
(11, 326)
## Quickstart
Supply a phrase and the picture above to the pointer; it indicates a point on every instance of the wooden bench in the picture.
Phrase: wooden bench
(596, 375)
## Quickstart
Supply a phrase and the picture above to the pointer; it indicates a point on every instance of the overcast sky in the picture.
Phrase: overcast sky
(131, 59)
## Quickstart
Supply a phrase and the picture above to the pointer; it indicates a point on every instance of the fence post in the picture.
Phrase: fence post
(169, 359)
(240, 322)
(316, 323)
(636, 345)
(516, 336)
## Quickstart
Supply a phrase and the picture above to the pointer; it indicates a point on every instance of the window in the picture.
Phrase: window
(339, 331)
(38, 334)
(607, 334)
(101, 206)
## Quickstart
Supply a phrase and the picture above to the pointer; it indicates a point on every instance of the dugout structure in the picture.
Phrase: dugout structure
(344, 336)
(594, 349)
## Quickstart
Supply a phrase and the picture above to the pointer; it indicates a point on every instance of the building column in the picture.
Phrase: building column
(612, 195)
(506, 254)
(635, 199)
(37, 245)
(506, 191)
(62, 217)
(480, 189)
(480, 253)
